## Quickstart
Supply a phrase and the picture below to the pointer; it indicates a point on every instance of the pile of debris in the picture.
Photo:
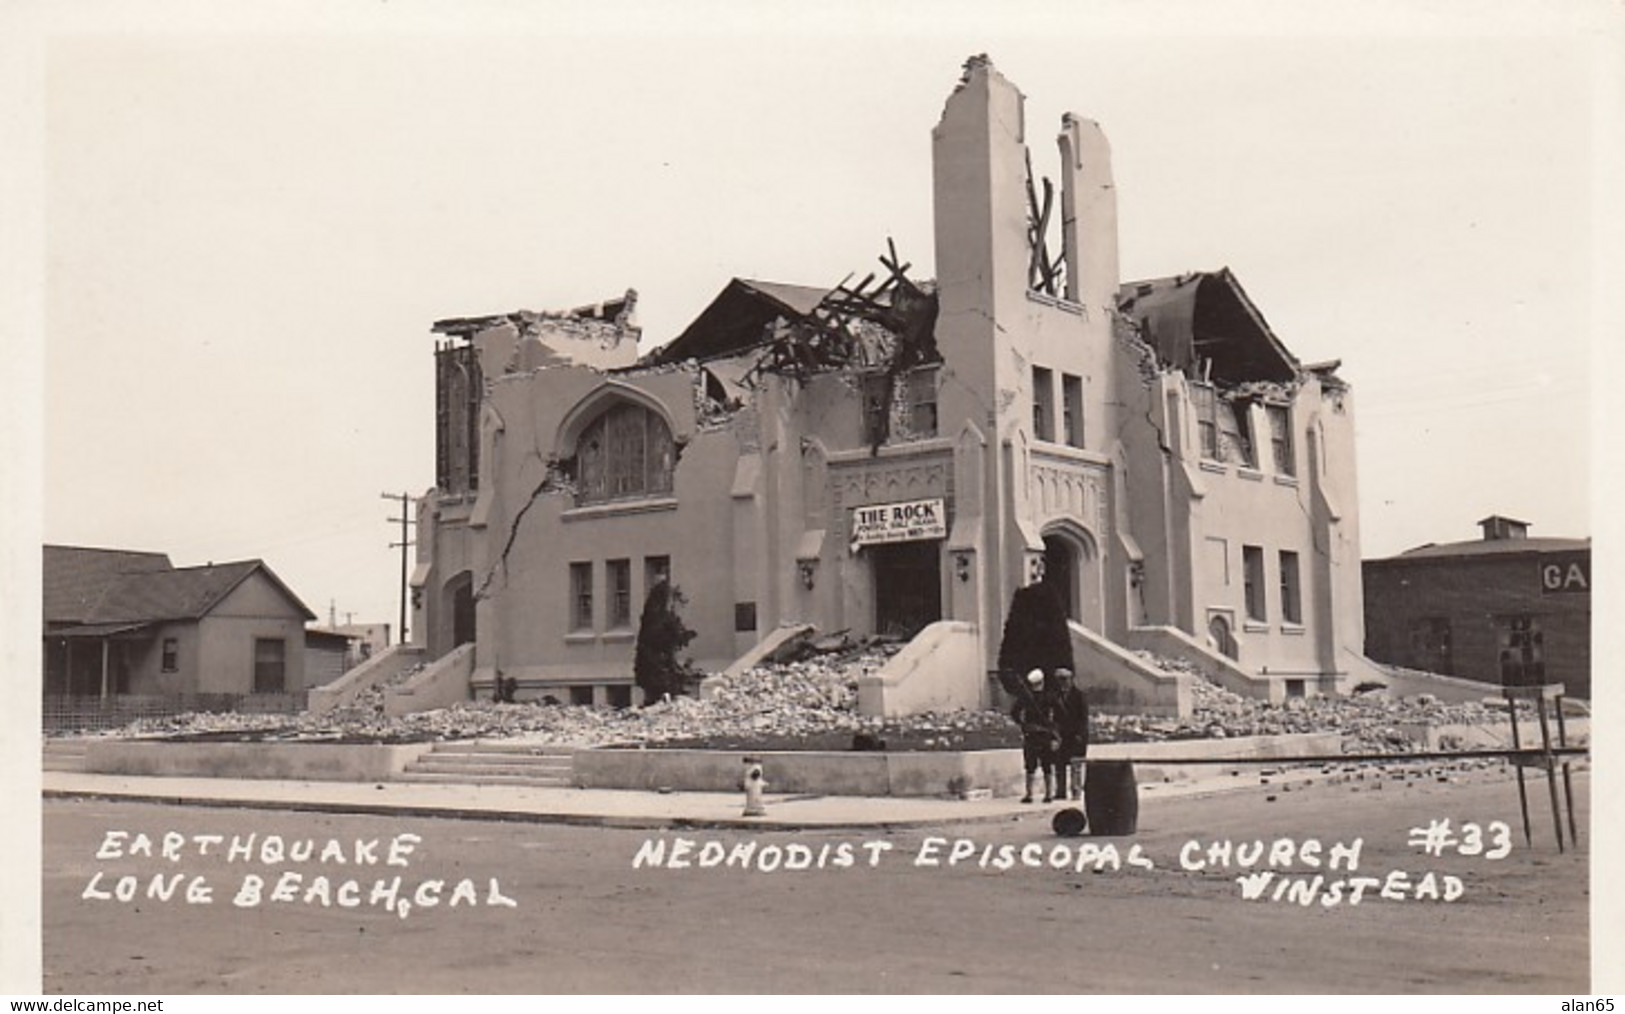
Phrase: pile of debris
(1374, 722)
(814, 694)
(808, 688)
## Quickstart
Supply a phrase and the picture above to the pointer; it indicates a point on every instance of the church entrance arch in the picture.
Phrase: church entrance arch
(1072, 569)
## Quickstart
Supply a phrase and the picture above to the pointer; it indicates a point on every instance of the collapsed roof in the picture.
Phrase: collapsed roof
(618, 311)
(738, 319)
(794, 331)
(1204, 324)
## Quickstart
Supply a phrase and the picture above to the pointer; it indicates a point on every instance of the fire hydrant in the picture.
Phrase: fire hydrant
(755, 785)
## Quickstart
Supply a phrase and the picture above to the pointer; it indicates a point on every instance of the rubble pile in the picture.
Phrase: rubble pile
(815, 694)
(809, 689)
(1370, 722)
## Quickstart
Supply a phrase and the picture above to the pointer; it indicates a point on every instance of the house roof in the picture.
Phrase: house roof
(1207, 316)
(76, 576)
(105, 588)
(736, 318)
(186, 593)
(329, 638)
(98, 630)
(1488, 547)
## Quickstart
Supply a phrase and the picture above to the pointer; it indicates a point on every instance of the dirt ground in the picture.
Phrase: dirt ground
(587, 918)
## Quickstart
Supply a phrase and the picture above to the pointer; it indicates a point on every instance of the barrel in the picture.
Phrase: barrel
(1111, 799)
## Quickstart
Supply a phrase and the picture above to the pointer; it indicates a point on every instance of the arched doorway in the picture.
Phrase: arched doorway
(460, 591)
(1072, 569)
(1059, 573)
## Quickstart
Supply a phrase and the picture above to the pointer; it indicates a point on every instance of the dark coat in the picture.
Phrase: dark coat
(1070, 711)
(1037, 724)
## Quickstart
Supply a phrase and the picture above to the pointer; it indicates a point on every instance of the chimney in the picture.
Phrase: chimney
(1497, 528)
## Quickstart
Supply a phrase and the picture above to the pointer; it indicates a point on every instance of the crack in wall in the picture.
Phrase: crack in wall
(513, 535)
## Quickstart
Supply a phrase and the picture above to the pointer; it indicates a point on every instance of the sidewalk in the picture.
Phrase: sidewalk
(601, 807)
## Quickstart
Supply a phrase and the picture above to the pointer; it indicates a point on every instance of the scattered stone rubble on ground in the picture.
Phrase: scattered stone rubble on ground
(812, 689)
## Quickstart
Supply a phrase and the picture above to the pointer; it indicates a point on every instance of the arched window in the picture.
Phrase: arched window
(622, 454)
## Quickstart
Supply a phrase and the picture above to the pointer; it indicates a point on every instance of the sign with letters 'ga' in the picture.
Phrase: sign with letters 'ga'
(1568, 572)
(899, 522)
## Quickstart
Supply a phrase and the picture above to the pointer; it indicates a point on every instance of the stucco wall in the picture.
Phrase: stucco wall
(254, 609)
(1194, 564)
(1118, 681)
(532, 535)
(146, 661)
(304, 761)
(940, 670)
(380, 668)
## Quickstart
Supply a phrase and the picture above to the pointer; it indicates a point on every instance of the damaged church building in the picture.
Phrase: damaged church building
(897, 455)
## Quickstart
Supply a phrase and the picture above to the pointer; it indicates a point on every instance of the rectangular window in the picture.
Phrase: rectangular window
(172, 651)
(744, 617)
(1430, 648)
(1281, 439)
(1207, 420)
(619, 579)
(922, 403)
(655, 570)
(876, 409)
(270, 665)
(1236, 432)
(580, 596)
(1043, 404)
(1072, 409)
(1523, 651)
(1252, 576)
(626, 441)
(1291, 596)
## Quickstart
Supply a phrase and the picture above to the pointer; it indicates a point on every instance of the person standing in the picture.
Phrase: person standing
(1069, 710)
(1038, 736)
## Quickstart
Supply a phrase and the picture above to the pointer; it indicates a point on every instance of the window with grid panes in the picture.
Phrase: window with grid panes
(625, 453)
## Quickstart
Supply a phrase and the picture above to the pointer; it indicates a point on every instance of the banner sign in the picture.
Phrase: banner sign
(899, 522)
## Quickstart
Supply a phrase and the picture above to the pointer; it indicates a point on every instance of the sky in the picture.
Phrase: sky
(249, 227)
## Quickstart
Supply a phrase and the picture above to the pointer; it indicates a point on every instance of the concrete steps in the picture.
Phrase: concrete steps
(493, 763)
(63, 755)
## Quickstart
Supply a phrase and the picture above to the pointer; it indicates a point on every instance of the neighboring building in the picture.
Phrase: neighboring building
(341, 647)
(1505, 608)
(327, 655)
(119, 622)
(876, 458)
(366, 640)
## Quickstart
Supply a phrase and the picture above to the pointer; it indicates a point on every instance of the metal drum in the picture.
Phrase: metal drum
(1111, 798)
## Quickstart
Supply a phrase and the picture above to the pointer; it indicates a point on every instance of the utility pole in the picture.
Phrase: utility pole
(406, 541)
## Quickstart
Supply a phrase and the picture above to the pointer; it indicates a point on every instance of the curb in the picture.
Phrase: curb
(632, 822)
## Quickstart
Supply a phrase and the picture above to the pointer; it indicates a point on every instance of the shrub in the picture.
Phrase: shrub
(1035, 636)
(656, 667)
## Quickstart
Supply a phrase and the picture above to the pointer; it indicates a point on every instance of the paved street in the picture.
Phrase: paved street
(510, 906)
